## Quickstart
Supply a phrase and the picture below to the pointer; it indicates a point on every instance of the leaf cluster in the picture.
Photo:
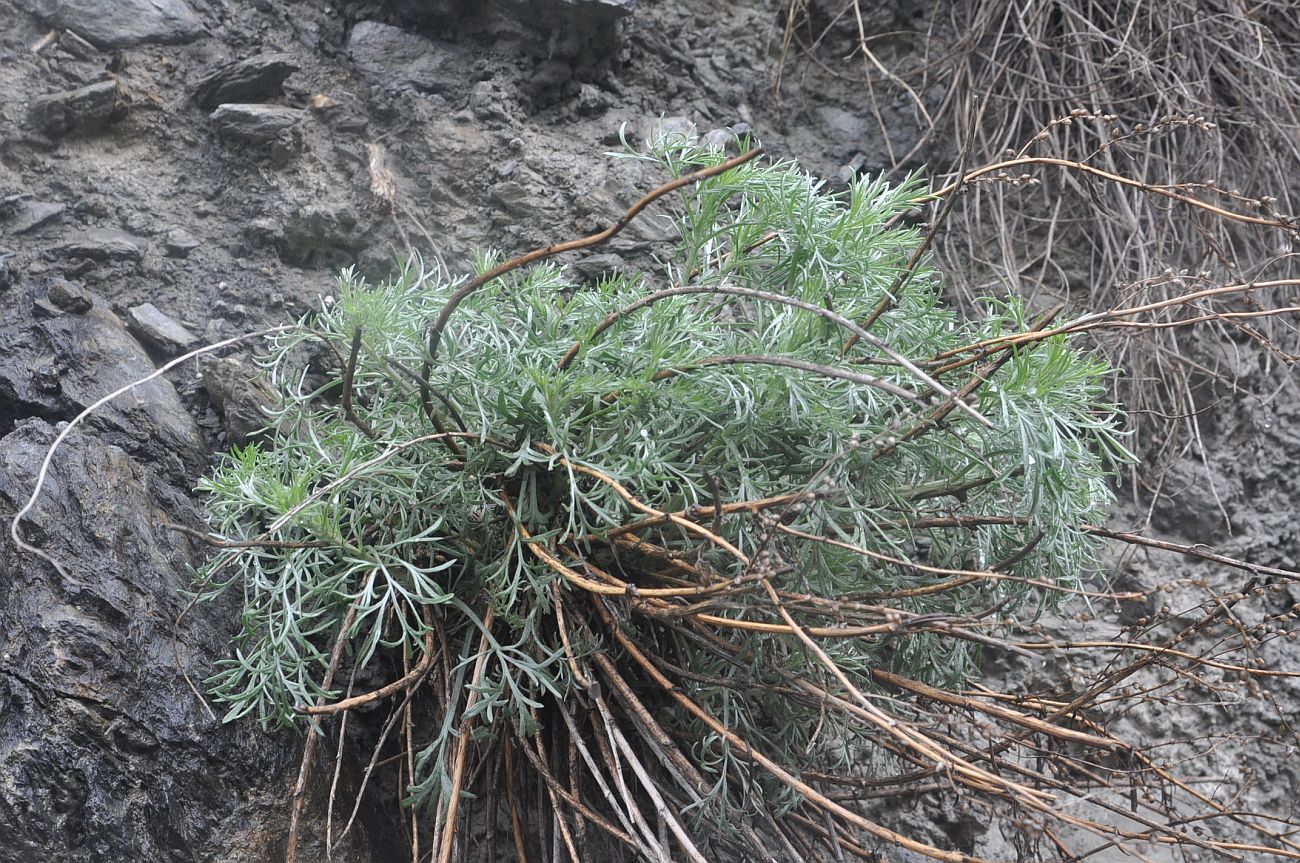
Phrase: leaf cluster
(730, 392)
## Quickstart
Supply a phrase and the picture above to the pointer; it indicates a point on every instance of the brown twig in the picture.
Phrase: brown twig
(218, 542)
(767, 296)
(313, 736)
(405, 682)
(462, 750)
(349, 371)
(1165, 190)
(434, 336)
(778, 772)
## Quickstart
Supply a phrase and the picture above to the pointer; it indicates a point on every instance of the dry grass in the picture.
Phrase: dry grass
(1198, 95)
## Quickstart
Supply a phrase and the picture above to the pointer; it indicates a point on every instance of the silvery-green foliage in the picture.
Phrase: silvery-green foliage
(422, 531)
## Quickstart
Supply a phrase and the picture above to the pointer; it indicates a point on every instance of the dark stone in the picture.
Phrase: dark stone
(485, 102)
(537, 15)
(31, 215)
(264, 231)
(123, 23)
(84, 109)
(843, 125)
(149, 324)
(591, 100)
(101, 245)
(324, 235)
(393, 57)
(105, 753)
(251, 80)
(76, 46)
(69, 297)
(179, 242)
(549, 75)
(583, 34)
(239, 396)
(618, 8)
(596, 267)
(255, 124)
(516, 200)
(93, 356)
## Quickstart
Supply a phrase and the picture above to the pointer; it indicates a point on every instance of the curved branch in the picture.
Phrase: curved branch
(857, 331)
(434, 337)
(1168, 191)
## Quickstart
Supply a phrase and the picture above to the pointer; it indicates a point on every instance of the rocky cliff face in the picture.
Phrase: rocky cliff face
(214, 161)
(106, 753)
(184, 171)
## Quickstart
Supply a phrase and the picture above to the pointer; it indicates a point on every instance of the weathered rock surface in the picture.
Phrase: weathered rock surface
(614, 7)
(30, 215)
(255, 123)
(76, 46)
(7, 276)
(158, 330)
(252, 80)
(123, 23)
(85, 109)
(54, 363)
(178, 243)
(100, 244)
(394, 58)
(240, 398)
(105, 754)
(69, 297)
(598, 266)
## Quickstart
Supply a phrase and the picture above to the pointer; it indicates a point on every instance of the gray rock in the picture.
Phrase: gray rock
(618, 8)
(549, 77)
(76, 46)
(719, 139)
(598, 9)
(853, 169)
(84, 109)
(596, 267)
(179, 242)
(671, 127)
(54, 365)
(141, 223)
(843, 125)
(239, 395)
(31, 215)
(516, 200)
(264, 231)
(255, 124)
(123, 23)
(105, 754)
(591, 100)
(327, 233)
(251, 80)
(485, 102)
(101, 245)
(69, 297)
(150, 325)
(393, 57)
